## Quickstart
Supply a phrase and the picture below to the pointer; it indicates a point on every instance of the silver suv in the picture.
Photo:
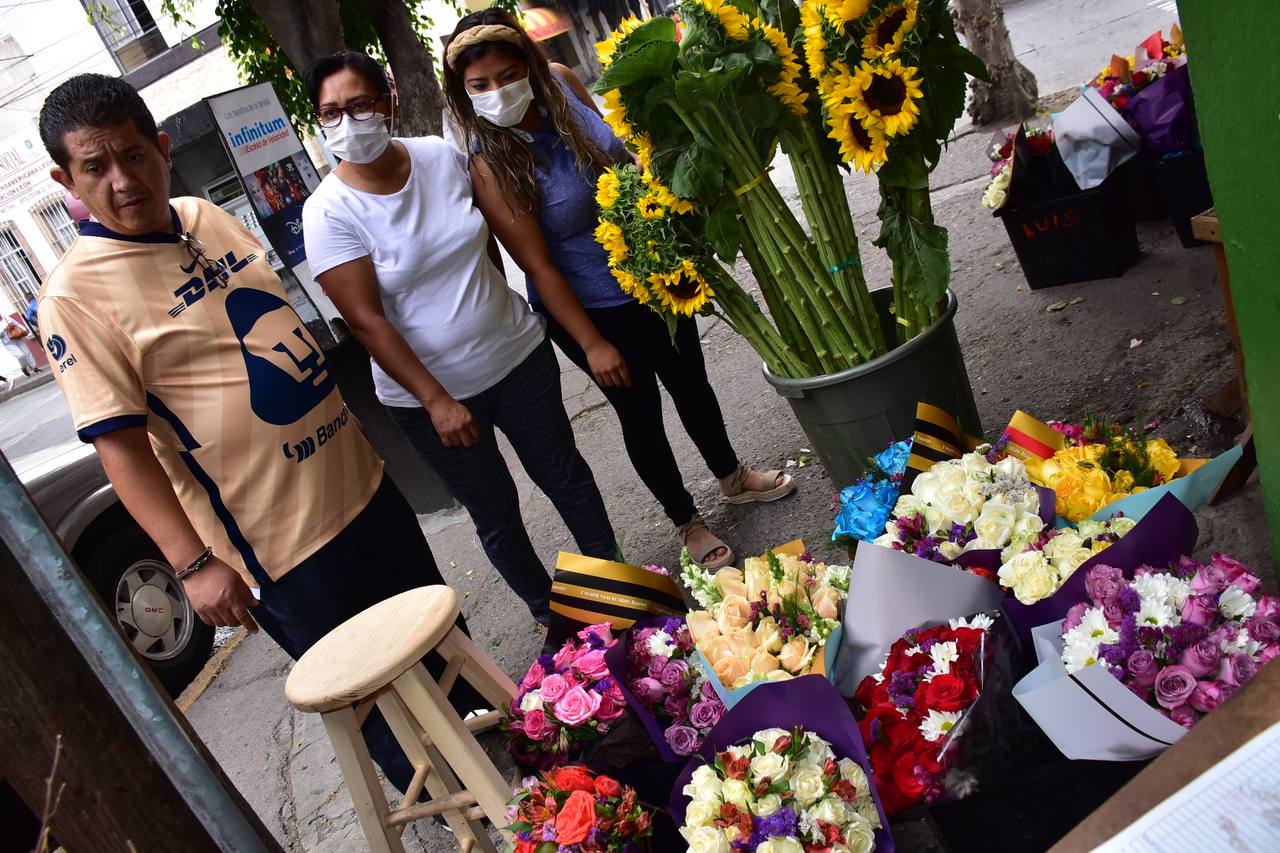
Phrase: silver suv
(138, 587)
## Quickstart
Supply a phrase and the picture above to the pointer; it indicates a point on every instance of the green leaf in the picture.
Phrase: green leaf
(906, 166)
(783, 14)
(944, 86)
(1057, 306)
(968, 62)
(759, 109)
(699, 174)
(724, 231)
(1178, 300)
(693, 89)
(646, 60)
(918, 249)
(660, 28)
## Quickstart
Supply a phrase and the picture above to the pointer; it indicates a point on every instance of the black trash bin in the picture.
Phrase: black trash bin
(1182, 183)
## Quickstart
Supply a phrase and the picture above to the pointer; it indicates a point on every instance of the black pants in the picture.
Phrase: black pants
(381, 553)
(527, 406)
(642, 338)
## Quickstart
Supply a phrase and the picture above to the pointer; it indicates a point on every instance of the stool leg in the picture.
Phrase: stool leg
(440, 781)
(429, 704)
(362, 781)
(479, 669)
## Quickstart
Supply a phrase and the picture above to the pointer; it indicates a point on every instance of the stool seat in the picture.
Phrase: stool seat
(371, 649)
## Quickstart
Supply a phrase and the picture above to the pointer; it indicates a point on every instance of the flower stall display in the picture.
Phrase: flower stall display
(1039, 142)
(784, 770)
(784, 790)
(565, 701)
(660, 676)
(769, 621)
(935, 718)
(1143, 658)
(1125, 76)
(572, 810)
(862, 509)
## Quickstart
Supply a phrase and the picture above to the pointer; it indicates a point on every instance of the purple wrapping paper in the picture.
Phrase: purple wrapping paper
(989, 559)
(1163, 113)
(615, 657)
(810, 701)
(1167, 532)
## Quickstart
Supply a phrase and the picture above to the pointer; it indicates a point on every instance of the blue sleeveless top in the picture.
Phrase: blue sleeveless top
(568, 211)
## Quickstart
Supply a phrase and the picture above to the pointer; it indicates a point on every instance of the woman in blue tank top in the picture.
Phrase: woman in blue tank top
(537, 146)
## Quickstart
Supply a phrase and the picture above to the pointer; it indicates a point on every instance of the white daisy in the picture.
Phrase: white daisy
(1236, 604)
(982, 622)
(938, 724)
(943, 654)
(661, 645)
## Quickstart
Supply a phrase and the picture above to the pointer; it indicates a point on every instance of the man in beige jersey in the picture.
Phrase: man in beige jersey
(214, 412)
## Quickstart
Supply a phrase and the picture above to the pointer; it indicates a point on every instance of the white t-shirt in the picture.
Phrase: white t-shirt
(439, 289)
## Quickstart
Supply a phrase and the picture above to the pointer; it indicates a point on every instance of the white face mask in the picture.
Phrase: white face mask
(358, 141)
(504, 107)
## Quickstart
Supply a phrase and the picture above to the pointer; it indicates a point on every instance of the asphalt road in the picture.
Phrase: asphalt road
(35, 420)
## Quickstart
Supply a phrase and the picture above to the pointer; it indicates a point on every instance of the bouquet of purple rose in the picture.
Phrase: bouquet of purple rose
(1151, 654)
(671, 695)
(565, 701)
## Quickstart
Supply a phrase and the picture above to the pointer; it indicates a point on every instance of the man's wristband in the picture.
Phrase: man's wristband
(197, 564)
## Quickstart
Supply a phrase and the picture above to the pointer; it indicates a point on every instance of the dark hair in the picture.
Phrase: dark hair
(361, 63)
(91, 100)
(509, 158)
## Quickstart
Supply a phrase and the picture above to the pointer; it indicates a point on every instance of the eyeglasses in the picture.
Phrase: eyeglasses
(359, 110)
(216, 273)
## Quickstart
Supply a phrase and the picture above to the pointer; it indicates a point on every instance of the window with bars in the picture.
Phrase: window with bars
(55, 219)
(18, 275)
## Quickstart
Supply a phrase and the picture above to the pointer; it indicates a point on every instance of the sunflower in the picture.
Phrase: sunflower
(605, 50)
(815, 39)
(736, 24)
(607, 189)
(666, 197)
(843, 14)
(864, 147)
(615, 114)
(644, 149)
(886, 95)
(836, 87)
(631, 285)
(786, 89)
(650, 207)
(610, 236)
(884, 34)
(683, 290)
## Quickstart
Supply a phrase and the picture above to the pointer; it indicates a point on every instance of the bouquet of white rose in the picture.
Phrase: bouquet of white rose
(1034, 567)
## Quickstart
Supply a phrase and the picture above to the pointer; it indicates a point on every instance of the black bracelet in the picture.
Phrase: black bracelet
(197, 564)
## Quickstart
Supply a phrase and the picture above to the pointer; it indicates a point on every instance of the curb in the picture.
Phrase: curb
(33, 382)
(212, 669)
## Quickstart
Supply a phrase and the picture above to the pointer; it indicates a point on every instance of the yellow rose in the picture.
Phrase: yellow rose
(1122, 482)
(758, 578)
(729, 582)
(735, 613)
(1163, 459)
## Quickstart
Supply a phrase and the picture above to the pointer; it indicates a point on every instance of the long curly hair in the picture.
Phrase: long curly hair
(510, 159)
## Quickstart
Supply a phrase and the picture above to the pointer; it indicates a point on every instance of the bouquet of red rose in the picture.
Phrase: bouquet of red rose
(565, 701)
(574, 810)
(927, 738)
(678, 704)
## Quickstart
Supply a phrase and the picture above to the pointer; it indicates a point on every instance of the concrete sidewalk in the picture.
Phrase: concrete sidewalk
(19, 384)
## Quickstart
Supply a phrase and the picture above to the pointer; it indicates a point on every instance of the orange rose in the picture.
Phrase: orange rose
(577, 817)
(572, 779)
(607, 787)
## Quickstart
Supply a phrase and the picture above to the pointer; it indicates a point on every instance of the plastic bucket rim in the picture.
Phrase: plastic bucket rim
(899, 352)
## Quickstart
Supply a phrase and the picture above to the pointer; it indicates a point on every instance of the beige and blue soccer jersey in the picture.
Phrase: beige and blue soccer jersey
(239, 401)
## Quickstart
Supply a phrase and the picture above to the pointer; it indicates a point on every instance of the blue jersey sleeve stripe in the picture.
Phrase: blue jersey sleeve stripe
(92, 431)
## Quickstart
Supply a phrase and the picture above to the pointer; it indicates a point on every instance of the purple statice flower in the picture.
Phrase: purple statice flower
(1148, 636)
(997, 450)
(548, 832)
(547, 662)
(1118, 652)
(902, 689)
(1117, 672)
(927, 645)
(958, 534)
(1129, 600)
(672, 625)
(781, 823)
(1177, 638)
(806, 556)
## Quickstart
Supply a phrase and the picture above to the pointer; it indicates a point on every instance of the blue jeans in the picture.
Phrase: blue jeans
(381, 553)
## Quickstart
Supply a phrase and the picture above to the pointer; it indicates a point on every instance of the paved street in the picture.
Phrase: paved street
(33, 421)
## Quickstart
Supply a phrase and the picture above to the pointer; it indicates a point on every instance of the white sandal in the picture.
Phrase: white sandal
(733, 486)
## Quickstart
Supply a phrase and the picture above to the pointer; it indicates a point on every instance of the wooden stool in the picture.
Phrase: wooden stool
(375, 658)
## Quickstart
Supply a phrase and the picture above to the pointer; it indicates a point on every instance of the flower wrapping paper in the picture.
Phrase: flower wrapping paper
(615, 657)
(810, 701)
(1164, 113)
(891, 592)
(1089, 714)
(1165, 533)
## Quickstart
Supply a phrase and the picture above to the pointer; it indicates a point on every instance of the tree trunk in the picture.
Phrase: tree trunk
(305, 30)
(421, 101)
(1011, 94)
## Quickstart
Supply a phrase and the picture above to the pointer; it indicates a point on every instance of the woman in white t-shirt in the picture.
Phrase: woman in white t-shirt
(394, 238)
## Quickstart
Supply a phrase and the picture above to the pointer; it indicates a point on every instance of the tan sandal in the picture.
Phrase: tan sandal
(710, 543)
(735, 492)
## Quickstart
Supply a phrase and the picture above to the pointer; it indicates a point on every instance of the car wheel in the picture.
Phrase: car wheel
(150, 607)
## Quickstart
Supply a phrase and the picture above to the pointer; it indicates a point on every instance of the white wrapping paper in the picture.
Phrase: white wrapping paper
(1093, 139)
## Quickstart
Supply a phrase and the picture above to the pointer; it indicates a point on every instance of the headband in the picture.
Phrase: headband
(476, 35)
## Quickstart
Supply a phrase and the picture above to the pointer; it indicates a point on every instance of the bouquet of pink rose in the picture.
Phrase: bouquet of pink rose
(667, 684)
(565, 701)
(1182, 639)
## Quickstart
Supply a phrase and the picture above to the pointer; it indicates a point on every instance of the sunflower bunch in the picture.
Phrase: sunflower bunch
(719, 20)
(647, 255)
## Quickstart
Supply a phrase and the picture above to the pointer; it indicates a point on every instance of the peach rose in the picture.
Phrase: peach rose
(826, 600)
(729, 582)
(767, 636)
(716, 648)
(729, 670)
(778, 675)
(763, 662)
(735, 614)
(702, 626)
(794, 655)
(757, 577)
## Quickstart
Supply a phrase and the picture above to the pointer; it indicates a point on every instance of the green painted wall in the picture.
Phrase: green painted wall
(1236, 75)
